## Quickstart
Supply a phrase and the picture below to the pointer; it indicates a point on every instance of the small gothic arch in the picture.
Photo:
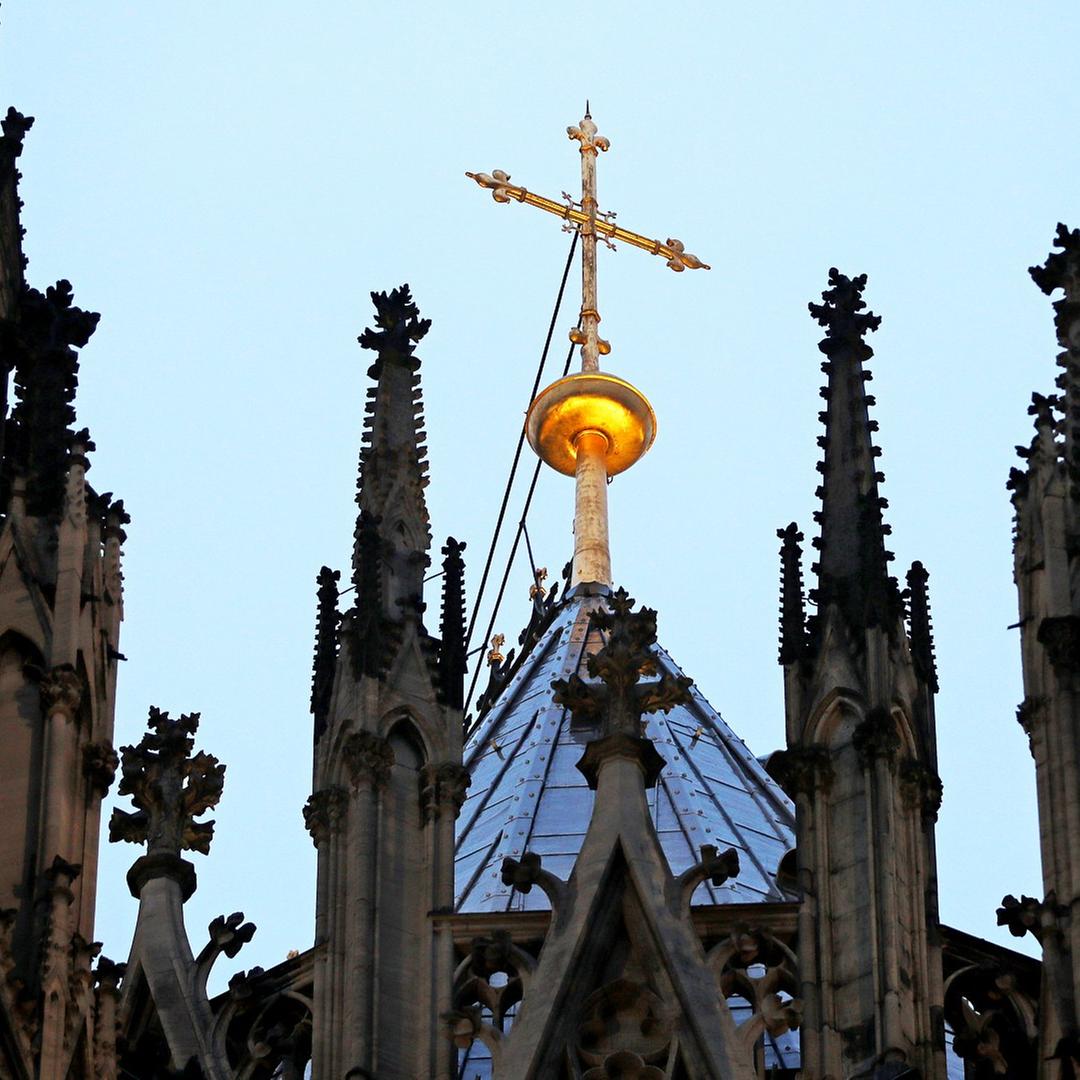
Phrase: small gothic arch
(906, 730)
(408, 744)
(837, 717)
(14, 640)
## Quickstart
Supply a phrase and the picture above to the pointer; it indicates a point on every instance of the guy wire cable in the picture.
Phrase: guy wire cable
(517, 452)
(510, 560)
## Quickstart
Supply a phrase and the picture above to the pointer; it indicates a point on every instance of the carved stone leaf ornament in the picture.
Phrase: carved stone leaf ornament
(921, 787)
(170, 786)
(62, 691)
(876, 737)
(399, 326)
(324, 812)
(802, 770)
(369, 758)
(441, 787)
(100, 762)
(620, 698)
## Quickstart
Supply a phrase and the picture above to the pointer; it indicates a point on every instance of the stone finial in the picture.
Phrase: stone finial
(1062, 267)
(617, 702)
(452, 661)
(844, 315)
(13, 129)
(714, 866)
(620, 698)
(170, 786)
(115, 516)
(326, 647)
(1028, 915)
(398, 326)
(227, 935)
(523, 874)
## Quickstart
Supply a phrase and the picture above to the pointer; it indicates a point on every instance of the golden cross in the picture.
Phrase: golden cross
(590, 222)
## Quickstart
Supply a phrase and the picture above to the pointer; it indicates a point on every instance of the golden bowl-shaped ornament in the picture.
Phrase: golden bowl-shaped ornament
(590, 401)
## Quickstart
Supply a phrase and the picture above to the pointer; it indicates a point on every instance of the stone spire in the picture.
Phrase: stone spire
(861, 760)
(387, 779)
(852, 566)
(393, 459)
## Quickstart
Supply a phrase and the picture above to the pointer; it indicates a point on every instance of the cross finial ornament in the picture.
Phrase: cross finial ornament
(592, 224)
(591, 425)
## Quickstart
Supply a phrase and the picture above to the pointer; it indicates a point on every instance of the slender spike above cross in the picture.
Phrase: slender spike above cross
(591, 223)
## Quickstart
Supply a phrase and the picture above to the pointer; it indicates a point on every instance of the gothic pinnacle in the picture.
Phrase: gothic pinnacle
(852, 567)
(393, 534)
(326, 647)
(922, 631)
(792, 610)
(452, 660)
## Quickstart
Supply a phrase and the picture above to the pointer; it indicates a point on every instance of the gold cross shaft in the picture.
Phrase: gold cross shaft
(590, 223)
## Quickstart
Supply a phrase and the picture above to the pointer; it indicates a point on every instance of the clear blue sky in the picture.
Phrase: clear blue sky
(226, 182)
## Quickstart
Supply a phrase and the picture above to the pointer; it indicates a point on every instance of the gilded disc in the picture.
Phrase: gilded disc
(590, 401)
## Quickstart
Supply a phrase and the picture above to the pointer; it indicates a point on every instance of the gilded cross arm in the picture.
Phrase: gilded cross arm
(502, 191)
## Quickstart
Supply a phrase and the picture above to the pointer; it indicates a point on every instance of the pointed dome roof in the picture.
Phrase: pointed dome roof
(527, 793)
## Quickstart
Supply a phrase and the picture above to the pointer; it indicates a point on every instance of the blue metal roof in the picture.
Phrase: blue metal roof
(527, 794)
